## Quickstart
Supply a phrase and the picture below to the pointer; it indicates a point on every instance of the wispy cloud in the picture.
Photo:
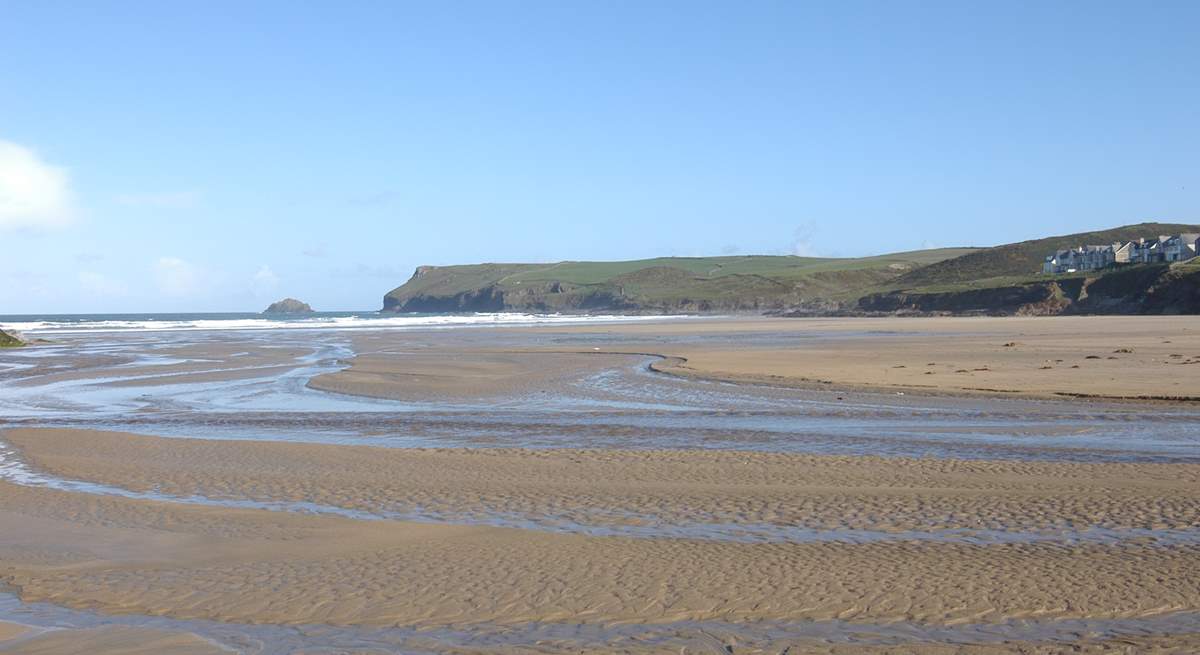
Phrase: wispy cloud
(34, 195)
(364, 270)
(161, 200)
(315, 251)
(176, 277)
(89, 257)
(265, 281)
(98, 284)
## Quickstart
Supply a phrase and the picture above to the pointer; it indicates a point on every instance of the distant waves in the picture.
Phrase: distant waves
(77, 324)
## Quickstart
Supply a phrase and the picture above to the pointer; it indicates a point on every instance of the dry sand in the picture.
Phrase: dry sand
(1108, 356)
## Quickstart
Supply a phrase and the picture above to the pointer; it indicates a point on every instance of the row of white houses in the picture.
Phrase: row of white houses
(1176, 248)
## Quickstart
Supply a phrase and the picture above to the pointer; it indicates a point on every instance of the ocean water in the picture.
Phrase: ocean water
(51, 324)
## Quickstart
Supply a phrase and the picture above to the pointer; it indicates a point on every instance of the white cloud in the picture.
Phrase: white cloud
(97, 284)
(167, 200)
(265, 280)
(177, 277)
(34, 195)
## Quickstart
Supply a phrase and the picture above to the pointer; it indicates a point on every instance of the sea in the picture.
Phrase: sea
(45, 325)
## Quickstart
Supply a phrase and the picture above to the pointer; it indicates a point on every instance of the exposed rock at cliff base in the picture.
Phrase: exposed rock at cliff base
(1146, 289)
(10, 340)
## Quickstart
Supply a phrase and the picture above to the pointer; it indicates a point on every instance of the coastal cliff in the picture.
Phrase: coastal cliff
(660, 286)
(999, 280)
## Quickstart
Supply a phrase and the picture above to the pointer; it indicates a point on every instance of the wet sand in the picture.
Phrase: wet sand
(11, 630)
(241, 565)
(111, 641)
(573, 501)
(473, 374)
(131, 556)
(637, 489)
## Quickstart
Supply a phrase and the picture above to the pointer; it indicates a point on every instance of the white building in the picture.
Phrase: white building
(1178, 248)
(1181, 247)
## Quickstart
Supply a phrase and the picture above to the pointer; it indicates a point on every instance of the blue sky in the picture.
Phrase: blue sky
(209, 156)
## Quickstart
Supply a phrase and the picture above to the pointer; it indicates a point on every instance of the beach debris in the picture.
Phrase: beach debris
(1123, 351)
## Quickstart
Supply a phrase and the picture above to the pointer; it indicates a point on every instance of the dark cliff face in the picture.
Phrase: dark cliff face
(550, 297)
(1155, 289)
(487, 299)
(997, 300)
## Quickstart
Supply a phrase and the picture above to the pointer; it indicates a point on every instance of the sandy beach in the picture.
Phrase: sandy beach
(1111, 357)
(616, 487)
(121, 555)
(543, 489)
(1100, 356)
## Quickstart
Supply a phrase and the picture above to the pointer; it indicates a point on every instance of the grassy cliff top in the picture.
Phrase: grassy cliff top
(450, 280)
